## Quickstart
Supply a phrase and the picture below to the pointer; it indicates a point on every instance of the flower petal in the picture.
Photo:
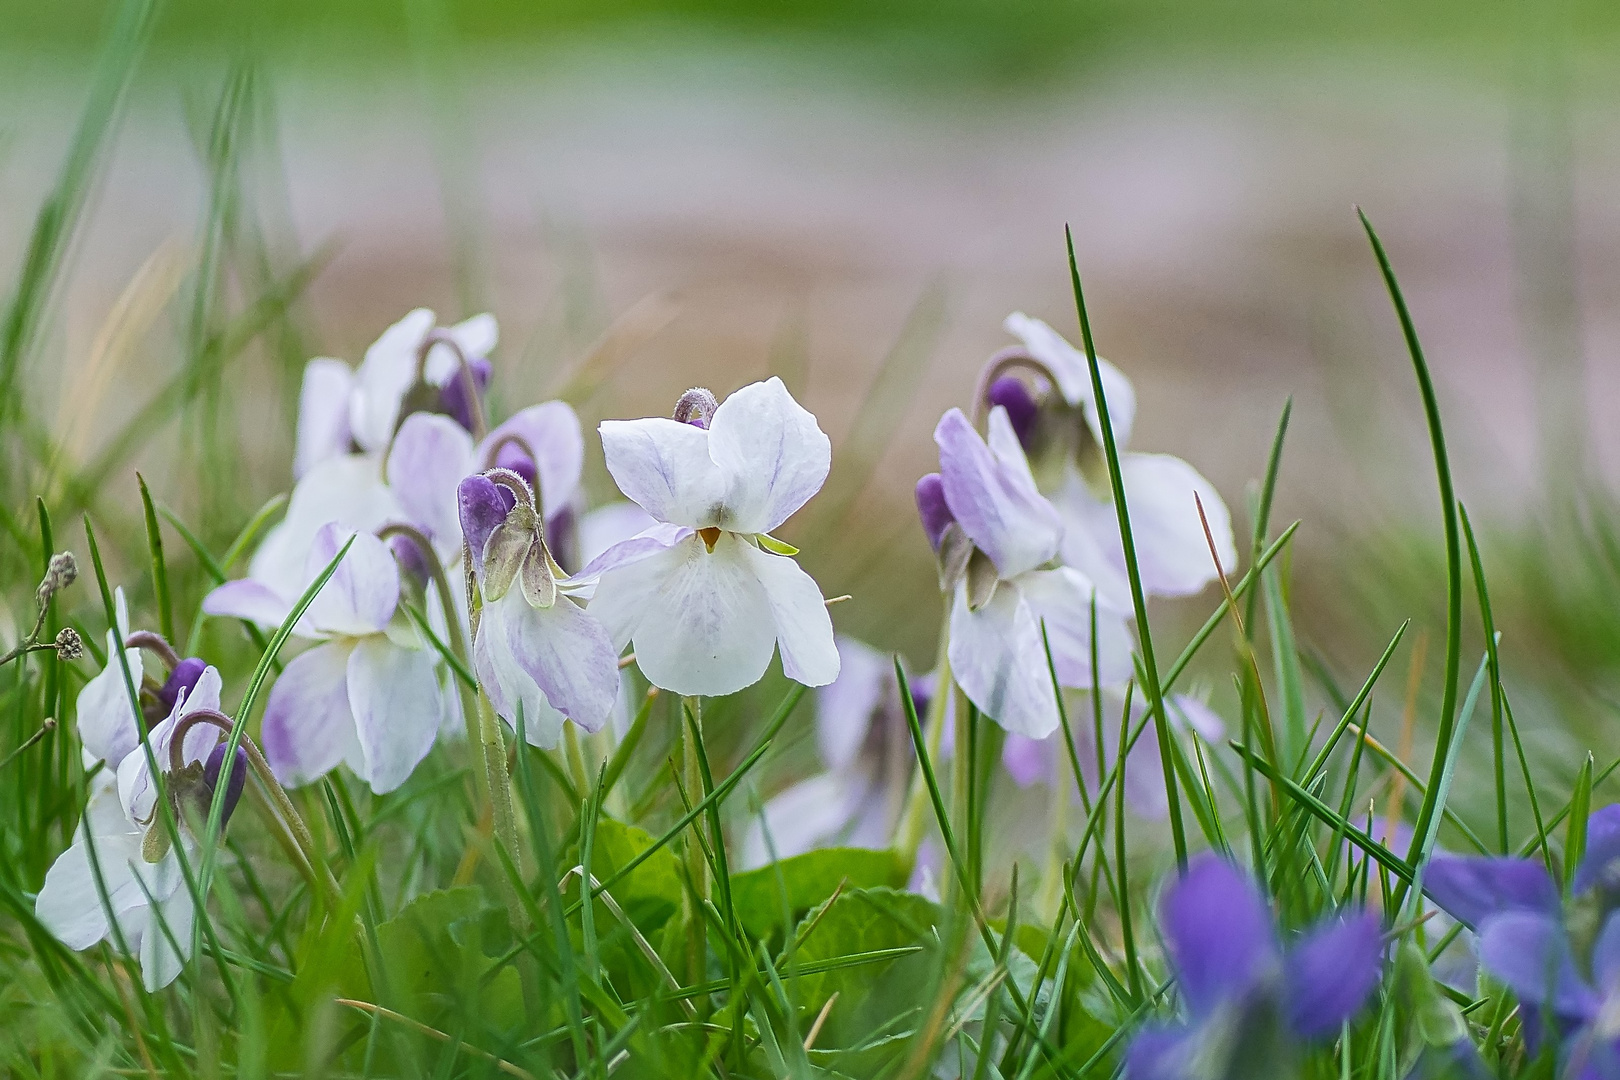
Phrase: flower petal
(431, 455)
(705, 625)
(1068, 365)
(811, 814)
(773, 453)
(348, 490)
(106, 720)
(362, 593)
(845, 706)
(664, 467)
(135, 789)
(551, 430)
(166, 940)
(607, 526)
(1528, 951)
(1062, 599)
(1172, 552)
(323, 413)
(69, 903)
(385, 375)
(1601, 863)
(476, 337)
(1091, 538)
(1606, 953)
(1219, 931)
(997, 506)
(803, 628)
(512, 691)
(1188, 713)
(567, 653)
(308, 724)
(1473, 888)
(1161, 1052)
(394, 698)
(998, 660)
(1331, 972)
(248, 599)
(1031, 761)
(656, 538)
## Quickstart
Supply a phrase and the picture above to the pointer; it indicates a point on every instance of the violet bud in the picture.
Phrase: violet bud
(183, 677)
(212, 768)
(511, 456)
(1013, 394)
(484, 505)
(453, 399)
(412, 563)
(696, 407)
(69, 646)
(931, 507)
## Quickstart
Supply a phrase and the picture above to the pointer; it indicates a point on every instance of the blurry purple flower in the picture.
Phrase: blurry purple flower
(535, 649)
(367, 695)
(707, 595)
(1172, 551)
(1250, 1001)
(1011, 582)
(1013, 395)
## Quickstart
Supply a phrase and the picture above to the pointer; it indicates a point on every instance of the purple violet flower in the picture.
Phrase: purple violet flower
(1248, 998)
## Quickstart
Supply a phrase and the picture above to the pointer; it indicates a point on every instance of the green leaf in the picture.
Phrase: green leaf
(806, 881)
(775, 546)
(864, 921)
(650, 893)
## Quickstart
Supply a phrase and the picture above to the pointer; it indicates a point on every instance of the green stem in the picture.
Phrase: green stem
(697, 867)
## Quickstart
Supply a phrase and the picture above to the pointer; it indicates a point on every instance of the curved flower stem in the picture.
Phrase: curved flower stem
(464, 372)
(154, 642)
(1011, 358)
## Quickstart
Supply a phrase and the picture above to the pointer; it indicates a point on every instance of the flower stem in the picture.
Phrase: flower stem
(909, 832)
(697, 868)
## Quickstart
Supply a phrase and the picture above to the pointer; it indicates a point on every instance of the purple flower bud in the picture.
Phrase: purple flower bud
(931, 507)
(484, 505)
(212, 768)
(453, 397)
(183, 677)
(412, 563)
(1013, 395)
(696, 407)
(511, 456)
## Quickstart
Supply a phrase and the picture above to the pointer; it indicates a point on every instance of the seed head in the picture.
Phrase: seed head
(69, 646)
(61, 573)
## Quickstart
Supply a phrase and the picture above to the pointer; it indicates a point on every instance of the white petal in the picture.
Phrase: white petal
(627, 573)
(248, 599)
(569, 655)
(394, 698)
(1062, 598)
(431, 455)
(385, 375)
(665, 468)
(135, 788)
(308, 725)
(511, 690)
(362, 593)
(608, 525)
(69, 904)
(998, 660)
(803, 628)
(1172, 551)
(1004, 444)
(1091, 538)
(551, 430)
(475, 336)
(997, 506)
(348, 490)
(773, 453)
(808, 815)
(844, 707)
(107, 723)
(706, 625)
(323, 413)
(1073, 374)
(166, 941)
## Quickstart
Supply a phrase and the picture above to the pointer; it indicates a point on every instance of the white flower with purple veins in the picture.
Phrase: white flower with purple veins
(368, 694)
(104, 716)
(998, 541)
(865, 743)
(145, 893)
(1172, 552)
(707, 594)
(537, 652)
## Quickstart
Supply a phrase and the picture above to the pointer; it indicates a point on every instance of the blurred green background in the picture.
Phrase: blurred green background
(853, 195)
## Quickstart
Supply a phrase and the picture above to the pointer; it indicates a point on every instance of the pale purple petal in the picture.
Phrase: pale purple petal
(430, 456)
(1606, 953)
(511, 690)
(348, 490)
(1528, 951)
(1601, 863)
(773, 453)
(308, 725)
(656, 538)
(323, 413)
(248, 599)
(1031, 761)
(1219, 930)
(1172, 552)
(1473, 888)
(844, 707)
(1068, 364)
(1012, 394)
(135, 789)
(1161, 1052)
(482, 505)
(551, 429)
(608, 525)
(108, 726)
(932, 509)
(1062, 598)
(997, 506)
(804, 631)
(998, 660)
(394, 698)
(166, 940)
(703, 624)
(567, 653)
(1003, 442)
(1330, 973)
(385, 375)
(810, 814)
(362, 593)
(664, 467)
(1188, 713)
